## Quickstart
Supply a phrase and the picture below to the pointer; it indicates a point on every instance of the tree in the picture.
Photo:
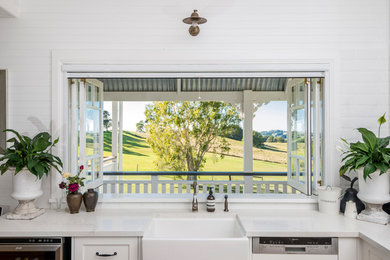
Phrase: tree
(258, 140)
(235, 133)
(271, 139)
(140, 126)
(107, 121)
(280, 139)
(181, 133)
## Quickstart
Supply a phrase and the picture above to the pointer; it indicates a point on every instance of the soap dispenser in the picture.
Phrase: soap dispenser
(210, 201)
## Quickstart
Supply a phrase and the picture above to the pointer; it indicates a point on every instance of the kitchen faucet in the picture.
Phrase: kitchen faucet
(194, 198)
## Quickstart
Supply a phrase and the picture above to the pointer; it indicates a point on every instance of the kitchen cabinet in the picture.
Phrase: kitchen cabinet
(348, 248)
(113, 248)
(368, 251)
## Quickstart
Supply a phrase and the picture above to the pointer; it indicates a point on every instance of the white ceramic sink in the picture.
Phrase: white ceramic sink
(195, 236)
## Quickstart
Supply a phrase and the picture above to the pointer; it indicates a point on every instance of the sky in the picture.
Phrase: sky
(271, 116)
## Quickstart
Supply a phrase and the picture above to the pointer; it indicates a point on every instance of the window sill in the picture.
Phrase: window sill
(187, 198)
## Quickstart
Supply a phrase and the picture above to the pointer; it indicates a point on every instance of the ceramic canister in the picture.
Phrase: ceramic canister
(329, 199)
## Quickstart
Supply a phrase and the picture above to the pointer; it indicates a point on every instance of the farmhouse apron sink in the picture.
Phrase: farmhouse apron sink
(195, 236)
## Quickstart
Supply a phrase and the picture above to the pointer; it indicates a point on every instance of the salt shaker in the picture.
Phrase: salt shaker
(350, 209)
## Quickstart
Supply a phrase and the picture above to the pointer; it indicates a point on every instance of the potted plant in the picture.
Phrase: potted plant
(371, 160)
(29, 159)
(72, 185)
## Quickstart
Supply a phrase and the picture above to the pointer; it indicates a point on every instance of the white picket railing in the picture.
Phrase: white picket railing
(120, 186)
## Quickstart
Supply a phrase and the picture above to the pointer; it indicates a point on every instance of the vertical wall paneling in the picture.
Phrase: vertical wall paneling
(352, 35)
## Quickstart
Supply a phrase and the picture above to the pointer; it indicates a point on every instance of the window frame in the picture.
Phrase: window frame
(60, 79)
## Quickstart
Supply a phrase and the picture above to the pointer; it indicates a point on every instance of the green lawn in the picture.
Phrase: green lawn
(138, 156)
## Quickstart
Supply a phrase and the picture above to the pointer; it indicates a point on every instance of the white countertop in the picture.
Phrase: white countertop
(125, 222)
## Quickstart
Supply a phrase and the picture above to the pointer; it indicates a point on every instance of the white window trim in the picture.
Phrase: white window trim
(111, 63)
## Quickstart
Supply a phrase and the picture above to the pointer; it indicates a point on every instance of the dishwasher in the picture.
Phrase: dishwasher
(294, 248)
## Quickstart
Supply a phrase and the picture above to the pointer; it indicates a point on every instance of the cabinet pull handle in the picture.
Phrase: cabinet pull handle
(106, 255)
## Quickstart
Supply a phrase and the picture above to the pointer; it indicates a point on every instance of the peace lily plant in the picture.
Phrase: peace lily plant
(29, 159)
(371, 160)
(33, 154)
(372, 155)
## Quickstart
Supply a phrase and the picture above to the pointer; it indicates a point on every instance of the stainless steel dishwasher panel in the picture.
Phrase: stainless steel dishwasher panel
(291, 248)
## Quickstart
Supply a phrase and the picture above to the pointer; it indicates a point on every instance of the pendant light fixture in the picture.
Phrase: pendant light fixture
(194, 20)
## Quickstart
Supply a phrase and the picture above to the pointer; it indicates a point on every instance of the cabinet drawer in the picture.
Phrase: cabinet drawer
(102, 248)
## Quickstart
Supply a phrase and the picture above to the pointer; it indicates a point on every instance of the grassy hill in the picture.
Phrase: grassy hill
(138, 156)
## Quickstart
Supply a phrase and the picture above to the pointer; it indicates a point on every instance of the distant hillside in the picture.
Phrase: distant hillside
(275, 133)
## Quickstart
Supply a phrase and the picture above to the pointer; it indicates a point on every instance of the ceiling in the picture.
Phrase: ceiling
(192, 84)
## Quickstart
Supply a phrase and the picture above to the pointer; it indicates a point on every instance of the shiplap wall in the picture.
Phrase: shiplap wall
(353, 35)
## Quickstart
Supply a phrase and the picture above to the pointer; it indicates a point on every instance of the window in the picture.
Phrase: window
(272, 143)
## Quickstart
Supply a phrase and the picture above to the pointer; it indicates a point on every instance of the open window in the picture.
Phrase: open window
(86, 129)
(285, 161)
(304, 141)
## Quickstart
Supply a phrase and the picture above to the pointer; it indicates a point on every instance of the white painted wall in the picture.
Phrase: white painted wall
(353, 35)
(9, 8)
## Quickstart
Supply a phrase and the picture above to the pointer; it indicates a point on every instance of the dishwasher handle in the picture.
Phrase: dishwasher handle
(290, 249)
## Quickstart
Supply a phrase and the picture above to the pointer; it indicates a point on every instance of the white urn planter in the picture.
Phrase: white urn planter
(375, 192)
(26, 188)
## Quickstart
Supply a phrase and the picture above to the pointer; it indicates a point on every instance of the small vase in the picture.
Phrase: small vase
(74, 202)
(90, 200)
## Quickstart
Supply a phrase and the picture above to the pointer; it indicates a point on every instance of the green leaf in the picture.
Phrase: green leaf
(386, 157)
(15, 133)
(361, 161)
(368, 137)
(382, 167)
(368, 169)
(343, 169)
(359, 147)
(383, 142)
(382, 120)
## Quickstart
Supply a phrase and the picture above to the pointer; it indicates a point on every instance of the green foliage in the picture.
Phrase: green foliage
(140, 126)
(31, 153)
(236, 133)
(271, 139)
(371, 155)
(180, 133)
(258, 140)
(107, 121)
(280, 139)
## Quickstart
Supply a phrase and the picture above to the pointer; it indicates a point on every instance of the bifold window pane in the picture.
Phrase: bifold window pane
(119, 147)
(86, 140)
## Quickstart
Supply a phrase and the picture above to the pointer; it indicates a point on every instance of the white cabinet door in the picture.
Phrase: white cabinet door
(107, 248)
(369, 252)
(348, 248)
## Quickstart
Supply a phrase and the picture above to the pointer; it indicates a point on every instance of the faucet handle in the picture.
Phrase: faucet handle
(226, 209)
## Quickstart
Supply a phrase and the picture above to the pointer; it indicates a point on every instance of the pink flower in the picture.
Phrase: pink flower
(81, 167)
(74, 187)
(62, 185)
